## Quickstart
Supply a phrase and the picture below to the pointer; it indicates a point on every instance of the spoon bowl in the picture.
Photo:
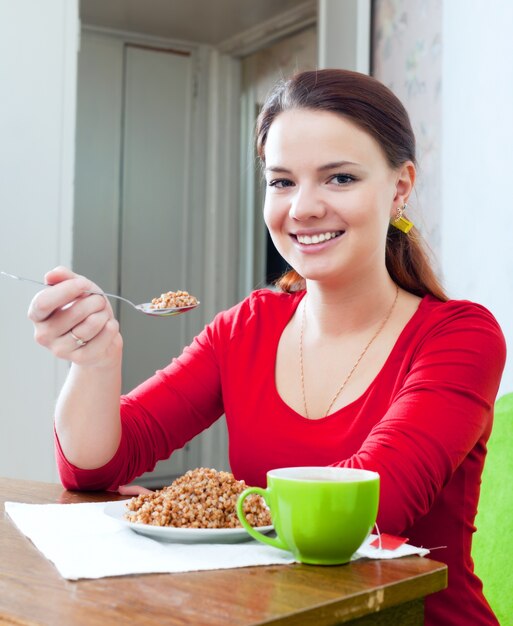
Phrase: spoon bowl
(146, 307)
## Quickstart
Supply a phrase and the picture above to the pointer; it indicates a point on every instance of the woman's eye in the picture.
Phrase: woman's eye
(342, 179)
(280, 183)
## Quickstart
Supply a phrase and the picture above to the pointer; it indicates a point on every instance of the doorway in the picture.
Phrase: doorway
(261, 264)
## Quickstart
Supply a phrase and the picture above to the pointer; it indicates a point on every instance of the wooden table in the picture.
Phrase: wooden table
(362, 592)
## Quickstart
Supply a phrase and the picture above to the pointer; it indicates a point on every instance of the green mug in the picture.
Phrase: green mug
(320, 514)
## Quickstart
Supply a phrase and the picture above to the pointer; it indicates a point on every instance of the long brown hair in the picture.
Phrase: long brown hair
(375, 109)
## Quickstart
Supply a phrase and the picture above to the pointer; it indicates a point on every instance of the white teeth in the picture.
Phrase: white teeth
(306, 239)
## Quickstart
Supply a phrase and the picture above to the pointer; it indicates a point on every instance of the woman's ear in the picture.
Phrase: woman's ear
(405, 181)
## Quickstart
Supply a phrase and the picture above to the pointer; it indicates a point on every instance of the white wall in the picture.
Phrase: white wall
(477, 158)
(407, 51)
(38, 45)
(450, 64)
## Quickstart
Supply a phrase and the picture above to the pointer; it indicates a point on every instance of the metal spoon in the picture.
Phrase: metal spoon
(145, 307)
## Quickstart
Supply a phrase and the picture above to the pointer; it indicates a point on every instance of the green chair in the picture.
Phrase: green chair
(492, 547)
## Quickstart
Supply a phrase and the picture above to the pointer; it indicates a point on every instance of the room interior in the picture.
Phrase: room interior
(421, 51)
(440, 58)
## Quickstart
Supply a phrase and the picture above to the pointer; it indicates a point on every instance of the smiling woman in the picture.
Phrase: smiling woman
(373, 115)
(330, 196)
(360, 361)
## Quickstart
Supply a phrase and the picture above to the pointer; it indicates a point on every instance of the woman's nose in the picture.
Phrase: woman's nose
(306, 204)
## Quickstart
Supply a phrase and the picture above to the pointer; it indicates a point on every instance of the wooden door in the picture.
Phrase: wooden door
(153, 220)
(153, 224)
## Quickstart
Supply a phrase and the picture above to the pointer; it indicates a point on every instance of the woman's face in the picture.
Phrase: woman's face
(330, 194)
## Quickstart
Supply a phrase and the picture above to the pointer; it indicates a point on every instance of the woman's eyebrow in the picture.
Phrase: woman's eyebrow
(328, 166)
(335, 164)
(278, 169)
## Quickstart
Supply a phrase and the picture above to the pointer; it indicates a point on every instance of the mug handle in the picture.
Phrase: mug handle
(272, 541)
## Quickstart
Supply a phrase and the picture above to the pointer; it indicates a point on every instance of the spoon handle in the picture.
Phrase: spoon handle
(93, 293)
(29, 280)
(112, 295)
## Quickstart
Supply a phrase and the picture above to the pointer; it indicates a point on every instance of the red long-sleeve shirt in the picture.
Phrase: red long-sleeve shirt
(422, 424)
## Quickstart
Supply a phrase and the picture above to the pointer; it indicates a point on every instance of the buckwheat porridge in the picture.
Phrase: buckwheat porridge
(173, 300)
(201, 498)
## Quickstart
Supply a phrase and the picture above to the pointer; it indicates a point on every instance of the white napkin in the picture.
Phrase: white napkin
(83, 542)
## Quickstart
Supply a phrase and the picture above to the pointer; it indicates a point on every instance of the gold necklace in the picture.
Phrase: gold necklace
(382, 325)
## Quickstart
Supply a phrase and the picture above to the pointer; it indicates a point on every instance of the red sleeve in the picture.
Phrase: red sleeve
(441, 411)
(159, 416)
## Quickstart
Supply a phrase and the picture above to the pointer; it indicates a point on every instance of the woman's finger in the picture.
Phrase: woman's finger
(58, 274)
(56, 297)
(133, 490)
(77, 336)
(92, 325)
(105, 348)
(51, 330)
(77, 312)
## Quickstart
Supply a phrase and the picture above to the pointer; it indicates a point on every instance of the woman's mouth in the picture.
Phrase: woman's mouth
(309, 240)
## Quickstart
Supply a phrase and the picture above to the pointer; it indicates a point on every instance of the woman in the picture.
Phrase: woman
(360, 360)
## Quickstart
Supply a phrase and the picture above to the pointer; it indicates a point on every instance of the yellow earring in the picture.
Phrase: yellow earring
(400, 222)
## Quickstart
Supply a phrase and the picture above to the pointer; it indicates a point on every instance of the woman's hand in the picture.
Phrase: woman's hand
(73, 325)
(133, 490)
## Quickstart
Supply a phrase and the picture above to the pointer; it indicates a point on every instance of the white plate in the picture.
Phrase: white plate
(116, 510)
